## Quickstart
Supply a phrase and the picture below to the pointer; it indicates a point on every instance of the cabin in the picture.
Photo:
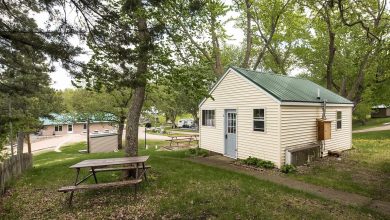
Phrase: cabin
(283, 119)
(60, 124)
(380, 111)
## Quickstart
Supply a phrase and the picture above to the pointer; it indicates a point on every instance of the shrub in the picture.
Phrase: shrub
(265, 164)
(288, 168)
(252, 161)
(198, 152)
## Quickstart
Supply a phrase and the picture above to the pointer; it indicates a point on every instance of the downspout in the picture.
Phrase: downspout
(322, 142)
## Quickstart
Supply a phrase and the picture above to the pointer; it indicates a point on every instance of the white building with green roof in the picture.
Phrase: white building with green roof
(272, 117)
(61, 124)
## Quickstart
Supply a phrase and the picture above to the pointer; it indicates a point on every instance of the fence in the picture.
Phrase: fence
(13, 167)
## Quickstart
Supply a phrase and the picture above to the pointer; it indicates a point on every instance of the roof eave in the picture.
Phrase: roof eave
(309, 103)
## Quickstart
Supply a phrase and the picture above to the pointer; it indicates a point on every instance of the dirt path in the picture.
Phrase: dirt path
(379, 128)
(345, 198)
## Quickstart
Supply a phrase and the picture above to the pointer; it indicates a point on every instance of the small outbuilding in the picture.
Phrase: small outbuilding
(61, 124)
(380, 111)
(283, 119)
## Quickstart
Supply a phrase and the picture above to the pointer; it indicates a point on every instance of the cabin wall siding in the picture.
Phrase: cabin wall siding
(298, 127)
(235, 92)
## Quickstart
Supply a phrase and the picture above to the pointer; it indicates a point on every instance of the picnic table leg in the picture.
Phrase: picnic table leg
(143, 167)
(75, 183)
(94, 174)
(136, 171)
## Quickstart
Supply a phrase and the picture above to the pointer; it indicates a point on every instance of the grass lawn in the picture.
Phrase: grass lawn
(177, 189)
(364, 170)
(372, 122)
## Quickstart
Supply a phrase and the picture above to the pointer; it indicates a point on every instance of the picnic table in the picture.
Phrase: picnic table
(105, 165)
(187, 139)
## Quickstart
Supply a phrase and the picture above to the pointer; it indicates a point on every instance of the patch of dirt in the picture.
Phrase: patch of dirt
(273, 171)
(332, 211)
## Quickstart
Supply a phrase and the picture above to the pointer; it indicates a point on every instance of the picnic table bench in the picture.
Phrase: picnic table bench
(175, 139)
(105, 165)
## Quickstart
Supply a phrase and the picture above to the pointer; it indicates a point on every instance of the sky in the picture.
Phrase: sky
(61, 79)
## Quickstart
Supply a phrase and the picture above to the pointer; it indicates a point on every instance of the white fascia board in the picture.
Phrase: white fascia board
(315, 104)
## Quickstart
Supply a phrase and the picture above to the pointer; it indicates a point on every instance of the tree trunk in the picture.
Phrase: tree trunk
(20, 143)
(121, 127)
(331, 51)
(245, 63)
(138, 98)
(28, 143)
(196, 120)
(218, 68)
(136, 102)
(355, 92)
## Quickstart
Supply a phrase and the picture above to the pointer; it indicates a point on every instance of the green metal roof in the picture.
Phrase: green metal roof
(68, 118)
(291, 89)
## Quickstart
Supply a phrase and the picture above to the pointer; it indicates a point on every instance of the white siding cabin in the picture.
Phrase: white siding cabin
(270, 116)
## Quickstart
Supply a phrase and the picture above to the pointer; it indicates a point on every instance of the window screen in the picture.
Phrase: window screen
(208, 117)
(339, 120)
(58, 128)
(258, 120)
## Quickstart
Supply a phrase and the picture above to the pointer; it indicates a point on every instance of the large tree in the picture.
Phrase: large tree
(128, 53)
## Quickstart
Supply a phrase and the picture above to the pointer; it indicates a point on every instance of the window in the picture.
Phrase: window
(339, 116)
(231, 123)
(58, 128)
(85, 126)
(208, 117)
(258, 120)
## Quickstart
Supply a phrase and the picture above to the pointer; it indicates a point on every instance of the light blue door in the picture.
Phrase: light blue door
(230, 133)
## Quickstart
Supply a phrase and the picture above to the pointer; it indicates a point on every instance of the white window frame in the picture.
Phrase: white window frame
(253, 120)
(57, 128)
(341, 120)
(214, 119)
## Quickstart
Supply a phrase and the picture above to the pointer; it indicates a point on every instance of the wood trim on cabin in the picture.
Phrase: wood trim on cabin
(314, 104)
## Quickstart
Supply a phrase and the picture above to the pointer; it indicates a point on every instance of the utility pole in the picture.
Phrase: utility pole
(10, 126)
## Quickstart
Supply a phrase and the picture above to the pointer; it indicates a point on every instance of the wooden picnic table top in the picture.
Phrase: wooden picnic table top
(109, 162)
(184, 135)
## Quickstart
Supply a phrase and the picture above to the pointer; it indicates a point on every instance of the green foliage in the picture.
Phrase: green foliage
(252, 161)
(181, 91)
(87, 102)
(288, 168)
(197, 152)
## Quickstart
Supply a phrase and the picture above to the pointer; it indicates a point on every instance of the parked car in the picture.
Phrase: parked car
(185, 123)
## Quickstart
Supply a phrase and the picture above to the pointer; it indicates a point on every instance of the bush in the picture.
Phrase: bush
(252, 161)
(265, 164)
(198, 152)
(288, 168)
